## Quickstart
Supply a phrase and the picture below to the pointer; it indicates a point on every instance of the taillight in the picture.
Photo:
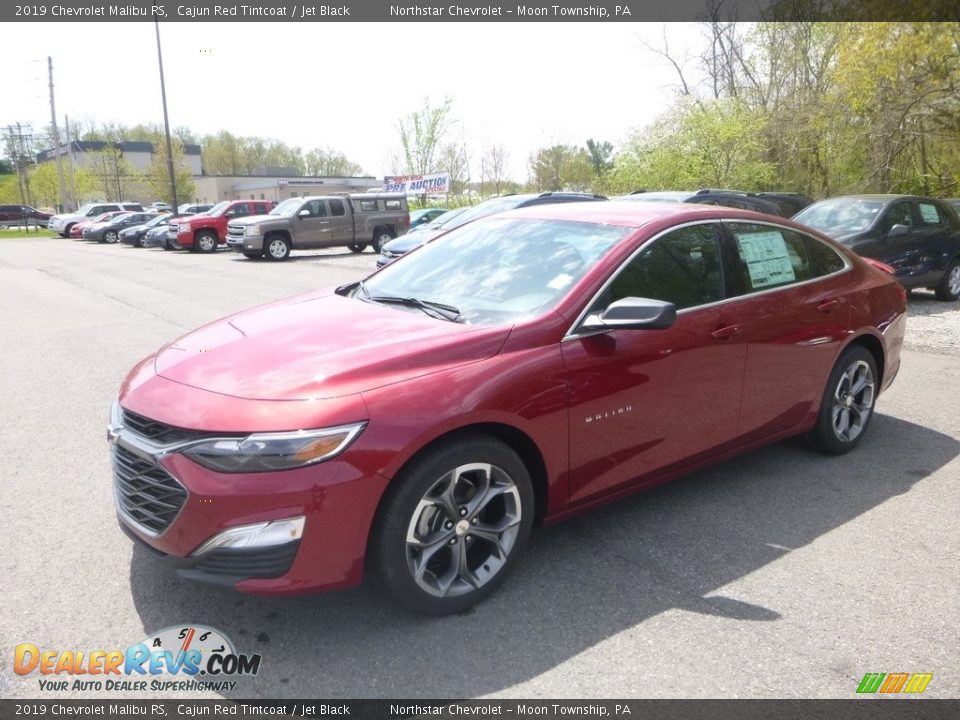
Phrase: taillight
(406, 221)
(880, 265)
(902, 293)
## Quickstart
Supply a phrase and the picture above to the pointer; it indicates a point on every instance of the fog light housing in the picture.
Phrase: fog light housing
(258, 535)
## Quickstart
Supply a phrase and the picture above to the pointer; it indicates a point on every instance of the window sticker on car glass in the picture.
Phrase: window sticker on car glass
(560, 282)
(767, 258)
(929, 214)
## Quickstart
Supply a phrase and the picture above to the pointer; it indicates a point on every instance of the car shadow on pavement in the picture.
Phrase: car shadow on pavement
(580, 582)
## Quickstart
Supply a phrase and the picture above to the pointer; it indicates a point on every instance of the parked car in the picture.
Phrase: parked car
(160, 206)
(109, 231)
(954, 203)
(424, 216)
(193, 208)
(77, 229)
(23, 214)
(919, 237)
(414, 427)
(351, 221)
(63, 223)
(157, 236)
(205, 231)
(782, 204)
(137, 235)
(425, 233)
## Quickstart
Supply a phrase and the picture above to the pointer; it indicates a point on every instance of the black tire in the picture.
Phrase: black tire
(949, 288)
(167, 245)
(142, 241)
(67, 229)
(205, 241)
(485, 553)
(64, 234)
(845, 405)
(253, 255)
(111, 237)
(381, 236)
(357, 247)
(276, 247)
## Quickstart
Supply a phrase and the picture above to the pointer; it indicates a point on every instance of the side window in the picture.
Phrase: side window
(240, 210)
(316, 208)
(98, 210)
(392, 205)
(824, 260)
(682, 267)
(898, 214)
(368, 205)
(336, 208)
(769, 257)
(930, 214)
(260, 208)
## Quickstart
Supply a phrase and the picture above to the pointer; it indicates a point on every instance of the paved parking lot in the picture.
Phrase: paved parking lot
(778, 574)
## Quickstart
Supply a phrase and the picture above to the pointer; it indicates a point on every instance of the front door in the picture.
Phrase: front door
(312, 225)
(644, 401)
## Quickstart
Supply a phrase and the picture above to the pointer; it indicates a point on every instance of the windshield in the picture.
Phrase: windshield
(841, 216)
(287, 208)
(498, 270)
(164, 219)
(490, 207)
(219, 209)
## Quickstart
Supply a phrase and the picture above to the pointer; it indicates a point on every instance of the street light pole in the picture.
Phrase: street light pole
(166, 119)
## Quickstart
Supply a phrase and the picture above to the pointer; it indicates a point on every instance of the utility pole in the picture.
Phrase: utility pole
(166, 120)
(73, 179)
(56, 140)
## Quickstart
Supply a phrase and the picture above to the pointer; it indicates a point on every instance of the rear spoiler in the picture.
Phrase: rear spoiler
(879, 265)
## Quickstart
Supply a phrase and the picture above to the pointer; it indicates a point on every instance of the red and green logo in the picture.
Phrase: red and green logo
(894, 683)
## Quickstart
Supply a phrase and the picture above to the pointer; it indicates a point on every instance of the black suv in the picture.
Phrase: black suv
(425, 233)
(918, 237)
(783, 204)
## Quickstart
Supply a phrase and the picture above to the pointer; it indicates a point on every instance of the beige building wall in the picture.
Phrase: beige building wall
(212, 189)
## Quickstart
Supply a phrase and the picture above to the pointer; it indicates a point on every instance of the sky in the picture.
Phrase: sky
(346, 85)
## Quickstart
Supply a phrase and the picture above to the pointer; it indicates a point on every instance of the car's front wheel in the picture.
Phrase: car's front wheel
(205, 242)
(847, 404)
(949, 287)
(452, 525)
(110, 236)
(357, 247)
(277, 247)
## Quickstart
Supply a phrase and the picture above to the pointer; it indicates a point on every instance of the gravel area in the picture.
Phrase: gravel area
(933, 326)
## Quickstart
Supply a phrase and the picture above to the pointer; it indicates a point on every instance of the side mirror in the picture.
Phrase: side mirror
(633, 314)
(898, 230)
(303, 213)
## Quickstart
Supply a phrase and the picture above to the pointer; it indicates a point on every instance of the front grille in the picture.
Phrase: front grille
(235, 231)
(157, 431)
(146, 492)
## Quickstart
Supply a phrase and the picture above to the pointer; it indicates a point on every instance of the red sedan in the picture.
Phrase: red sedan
(414, 427)
(77, 229)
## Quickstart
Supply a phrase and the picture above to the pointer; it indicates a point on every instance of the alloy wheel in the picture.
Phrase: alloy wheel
(853, 401)
(953, 280)
(463, 530)
(277, 249)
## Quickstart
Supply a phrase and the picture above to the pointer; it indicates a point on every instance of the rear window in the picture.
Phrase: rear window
(930, 214)
(393, 205)
(368, 205)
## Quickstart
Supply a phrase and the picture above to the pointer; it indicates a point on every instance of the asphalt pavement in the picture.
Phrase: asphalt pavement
(781, 573)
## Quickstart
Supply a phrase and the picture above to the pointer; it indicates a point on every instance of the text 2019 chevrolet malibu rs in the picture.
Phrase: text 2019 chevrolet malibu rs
(414, 427)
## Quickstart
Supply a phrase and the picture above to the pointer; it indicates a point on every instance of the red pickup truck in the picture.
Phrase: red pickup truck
(204, 232)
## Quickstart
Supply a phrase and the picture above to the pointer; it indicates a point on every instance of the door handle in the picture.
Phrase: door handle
(828, 305)
(726, 332)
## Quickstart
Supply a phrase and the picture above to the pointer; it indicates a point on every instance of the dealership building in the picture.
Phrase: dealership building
(267, 183)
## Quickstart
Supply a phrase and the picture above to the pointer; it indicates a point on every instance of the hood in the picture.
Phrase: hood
(406, 243)
(252, 219)
(321, 346)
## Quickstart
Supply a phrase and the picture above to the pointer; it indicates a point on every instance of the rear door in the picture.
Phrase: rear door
(938, 241)
(793, 313)
(900, 250)
(341, 222)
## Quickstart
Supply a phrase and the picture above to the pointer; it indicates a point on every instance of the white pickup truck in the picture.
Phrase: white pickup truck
(352, 221)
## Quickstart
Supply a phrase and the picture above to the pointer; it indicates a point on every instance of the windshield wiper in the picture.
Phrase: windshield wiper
(436, 310)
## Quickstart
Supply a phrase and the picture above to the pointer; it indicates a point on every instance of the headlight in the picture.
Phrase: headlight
(266, 452)
(251, 231)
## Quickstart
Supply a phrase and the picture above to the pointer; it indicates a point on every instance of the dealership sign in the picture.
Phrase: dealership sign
(417, 184)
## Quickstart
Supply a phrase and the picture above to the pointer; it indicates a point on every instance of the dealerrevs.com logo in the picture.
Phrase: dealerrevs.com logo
(192, 657)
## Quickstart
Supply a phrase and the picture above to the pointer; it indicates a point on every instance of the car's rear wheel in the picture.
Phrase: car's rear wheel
(277, 247)
(110, 236)
(452, 525)
(381, 236)
(357, 247)
(142, 241)
(847, 404)
(205, 242)
(949, 287)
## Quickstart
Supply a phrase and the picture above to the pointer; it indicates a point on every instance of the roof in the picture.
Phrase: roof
(630, 214)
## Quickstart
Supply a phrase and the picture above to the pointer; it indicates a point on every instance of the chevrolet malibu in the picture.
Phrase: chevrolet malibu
(413, 428)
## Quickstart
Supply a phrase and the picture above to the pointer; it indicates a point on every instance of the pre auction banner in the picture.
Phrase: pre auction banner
(417, 184)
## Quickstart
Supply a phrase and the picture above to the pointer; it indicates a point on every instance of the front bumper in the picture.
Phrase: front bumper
(245, 244)
(336, 499)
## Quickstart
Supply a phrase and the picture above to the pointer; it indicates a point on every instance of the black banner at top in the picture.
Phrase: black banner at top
(482, 11)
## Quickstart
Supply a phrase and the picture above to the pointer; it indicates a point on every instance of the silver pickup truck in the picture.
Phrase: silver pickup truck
(352, 221)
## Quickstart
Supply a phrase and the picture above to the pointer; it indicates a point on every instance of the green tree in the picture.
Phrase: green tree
(421, 134)
(158, 176)
(560, 167)
(330, 163)
(601, 158)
